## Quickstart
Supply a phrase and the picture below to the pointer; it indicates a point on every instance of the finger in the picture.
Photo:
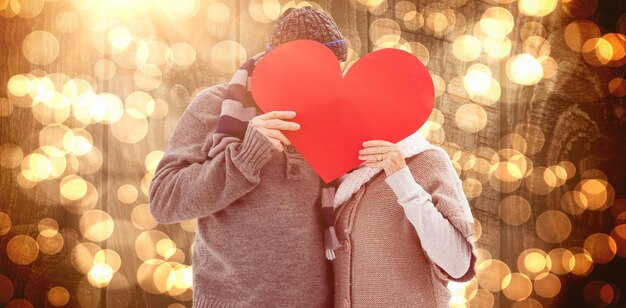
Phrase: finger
(268, 134)
(281, 125)
(278, 114)
(276, 134)
(370, 158)
(277, 144)
(375, 150)
(371, 143)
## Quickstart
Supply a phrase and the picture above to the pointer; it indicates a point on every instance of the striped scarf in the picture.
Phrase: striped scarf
(238, 108)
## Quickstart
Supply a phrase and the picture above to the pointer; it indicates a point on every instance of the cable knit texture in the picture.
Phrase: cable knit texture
(308, 23)
(258, 243)
(382, 262)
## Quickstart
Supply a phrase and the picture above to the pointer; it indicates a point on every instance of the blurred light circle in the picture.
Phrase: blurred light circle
(383, 30)
(96, 225)
(617, 87)
(477, 80)
(514, 210)
(264, 11)
(109, 257)
(405, 10)
(131, 127)
(141, 102)
(73, 187)
(492, 275)
(439, 85)
(497, 48)
(537, 8)
(146, 244)
(142, 218)
(466, 48)
(48, 227)
(152, 160)
(82, 256)
(50, 245)
(579, 8)
(66, 22)
(183, 54)
(148, 77)
(10, 155)
(33, 51)
(218, 12)
(153, 52)
(119, 37)
(580, 31)
(22, 249)
(518, 286)
(547, 285)
(5, 223)
(104, 69)
(618, 45)
(553, 226)
(100, 275)
(83, 4)
(19, 85)
(127, 193)
(182, 9)
(537, 46)
(601, 247)
(471, 118)
(58, 296)
(6, 107)
(532, 28)
(227, 56)
(549, 66)
(562, 261)
(598, 293)
(597, 51)
(524, 69)
(420, 51)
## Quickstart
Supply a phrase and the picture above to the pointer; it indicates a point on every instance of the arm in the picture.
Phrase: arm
(187, 183)
(432, 228)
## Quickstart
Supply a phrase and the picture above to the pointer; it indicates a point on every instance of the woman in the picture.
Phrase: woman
(404, 233)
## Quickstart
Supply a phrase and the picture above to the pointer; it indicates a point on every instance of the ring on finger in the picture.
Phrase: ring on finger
(379, 157)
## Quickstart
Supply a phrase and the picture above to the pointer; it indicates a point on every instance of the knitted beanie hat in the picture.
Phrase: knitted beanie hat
(308, 23)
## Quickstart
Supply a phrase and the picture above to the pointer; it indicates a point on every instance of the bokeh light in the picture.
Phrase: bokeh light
(528, 105)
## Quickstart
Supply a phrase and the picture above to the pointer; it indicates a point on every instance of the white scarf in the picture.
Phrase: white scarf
(350, 182)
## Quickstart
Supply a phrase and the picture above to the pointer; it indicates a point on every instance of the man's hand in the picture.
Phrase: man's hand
(382, 154)
(272, 123)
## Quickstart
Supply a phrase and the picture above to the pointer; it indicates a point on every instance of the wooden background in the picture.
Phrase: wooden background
(580, 120)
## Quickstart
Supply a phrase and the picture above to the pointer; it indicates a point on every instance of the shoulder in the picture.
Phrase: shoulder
(206, 104)
(431, 157)
(431, 163)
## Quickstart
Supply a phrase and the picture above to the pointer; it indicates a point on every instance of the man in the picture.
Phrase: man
(260, 236)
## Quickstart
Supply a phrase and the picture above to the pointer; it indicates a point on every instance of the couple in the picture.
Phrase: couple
(271, 233)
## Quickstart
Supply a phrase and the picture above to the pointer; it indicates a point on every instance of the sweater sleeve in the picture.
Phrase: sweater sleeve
(187, 183)
(432, 227)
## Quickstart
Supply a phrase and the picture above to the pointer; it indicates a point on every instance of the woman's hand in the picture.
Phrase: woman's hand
(382, 154)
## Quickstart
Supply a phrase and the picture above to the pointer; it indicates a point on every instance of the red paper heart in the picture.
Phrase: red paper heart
(386, 95)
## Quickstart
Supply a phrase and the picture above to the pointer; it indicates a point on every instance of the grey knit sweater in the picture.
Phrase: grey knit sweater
(259, 241)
